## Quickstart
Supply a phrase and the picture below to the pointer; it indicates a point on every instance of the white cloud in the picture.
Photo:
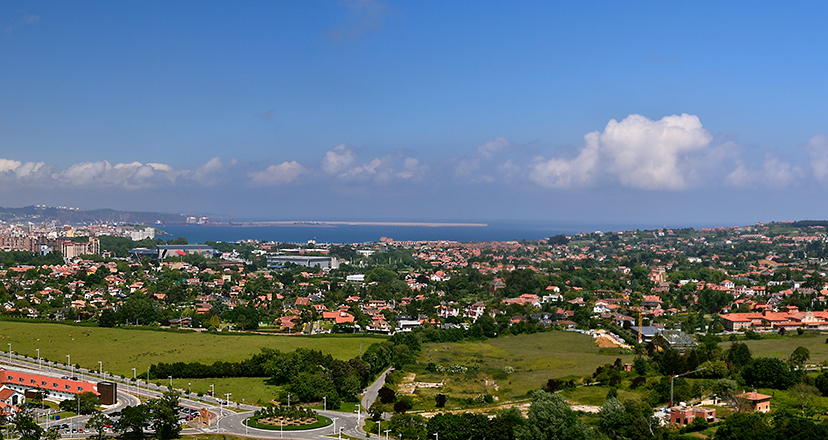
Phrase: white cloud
(481, 166)
(637, 152)
(817, 151)
(338, 159)
(341, 162)
(772, 173)
(133, 175)
(280, 174)
(22, 170)
(489, 148)
(411, 169)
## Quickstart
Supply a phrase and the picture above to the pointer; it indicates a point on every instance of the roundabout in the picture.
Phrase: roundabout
(287, 419)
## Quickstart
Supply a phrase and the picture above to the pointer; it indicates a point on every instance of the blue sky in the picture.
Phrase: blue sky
(638, 111)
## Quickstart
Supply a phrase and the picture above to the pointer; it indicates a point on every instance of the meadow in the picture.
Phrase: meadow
(782, 346)
(121, 349)
(509, 367)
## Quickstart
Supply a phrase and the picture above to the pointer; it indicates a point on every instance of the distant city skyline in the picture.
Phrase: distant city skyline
(649, 113)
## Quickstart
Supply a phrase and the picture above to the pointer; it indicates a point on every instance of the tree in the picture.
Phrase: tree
(408, 426)
(23, 423)
(98, 423)
(163, 416)
(769, 373)
(799, 356)
(386, 395)
(108, 318)
(551, 418)
(132, 421)
(440, 400)
(628, 420)
(738, 355)
(52, 433)
(745, 426)
(401, 406)
(313, 387)
(83, 403)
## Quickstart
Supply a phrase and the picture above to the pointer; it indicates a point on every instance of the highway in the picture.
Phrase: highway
(229, 418)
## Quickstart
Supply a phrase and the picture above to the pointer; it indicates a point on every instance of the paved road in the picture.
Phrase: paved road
(227, 421)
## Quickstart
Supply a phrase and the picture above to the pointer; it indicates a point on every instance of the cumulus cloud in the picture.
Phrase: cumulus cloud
(22, 170)
(637, 152)
(817, 151)
(210, 173)
(773, 172)
(483, 165)
(133, 175)
(341, 162)
(338, 159)
(489, 148)
(279, 174)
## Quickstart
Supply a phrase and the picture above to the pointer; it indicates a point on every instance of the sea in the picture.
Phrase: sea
(326, 233)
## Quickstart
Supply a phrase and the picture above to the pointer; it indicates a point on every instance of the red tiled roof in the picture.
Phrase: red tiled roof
(48, 383)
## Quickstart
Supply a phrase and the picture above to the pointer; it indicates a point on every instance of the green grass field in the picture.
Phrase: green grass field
(535, 358)
(122, 349)
(782, 346)
(247, 389)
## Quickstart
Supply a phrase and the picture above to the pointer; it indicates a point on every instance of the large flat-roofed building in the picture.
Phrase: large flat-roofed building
(277, 261)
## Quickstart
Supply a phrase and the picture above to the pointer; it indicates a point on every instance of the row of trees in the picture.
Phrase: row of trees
(160, 415)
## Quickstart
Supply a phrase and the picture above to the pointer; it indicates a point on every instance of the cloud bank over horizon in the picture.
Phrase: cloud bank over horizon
(669, 155)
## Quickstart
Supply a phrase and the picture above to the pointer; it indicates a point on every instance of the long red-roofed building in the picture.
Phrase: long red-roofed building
(52, 387)
(769, 320)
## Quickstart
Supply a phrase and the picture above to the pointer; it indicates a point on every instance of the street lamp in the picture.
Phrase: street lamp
(100, 368)
(9, 352)
(69, 364)
(135, 380)
(227, 398)
(170, 377)
(189, 388)
(39, 364)
(334, 423)
(325, 403)
(212, 390)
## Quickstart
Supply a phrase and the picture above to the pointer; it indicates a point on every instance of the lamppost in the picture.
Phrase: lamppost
(288, 399)
(9, 353)
(69, 364)
(212, 391)
(379, 433)
(227, 398)
(39, 364)
(170, 378)
(334, 423)
(325, 403)
(189, 388)
(100, 368)
(135, 381)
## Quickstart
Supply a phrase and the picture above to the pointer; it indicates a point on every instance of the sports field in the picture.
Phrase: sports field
(509, 367)
(120, 350)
